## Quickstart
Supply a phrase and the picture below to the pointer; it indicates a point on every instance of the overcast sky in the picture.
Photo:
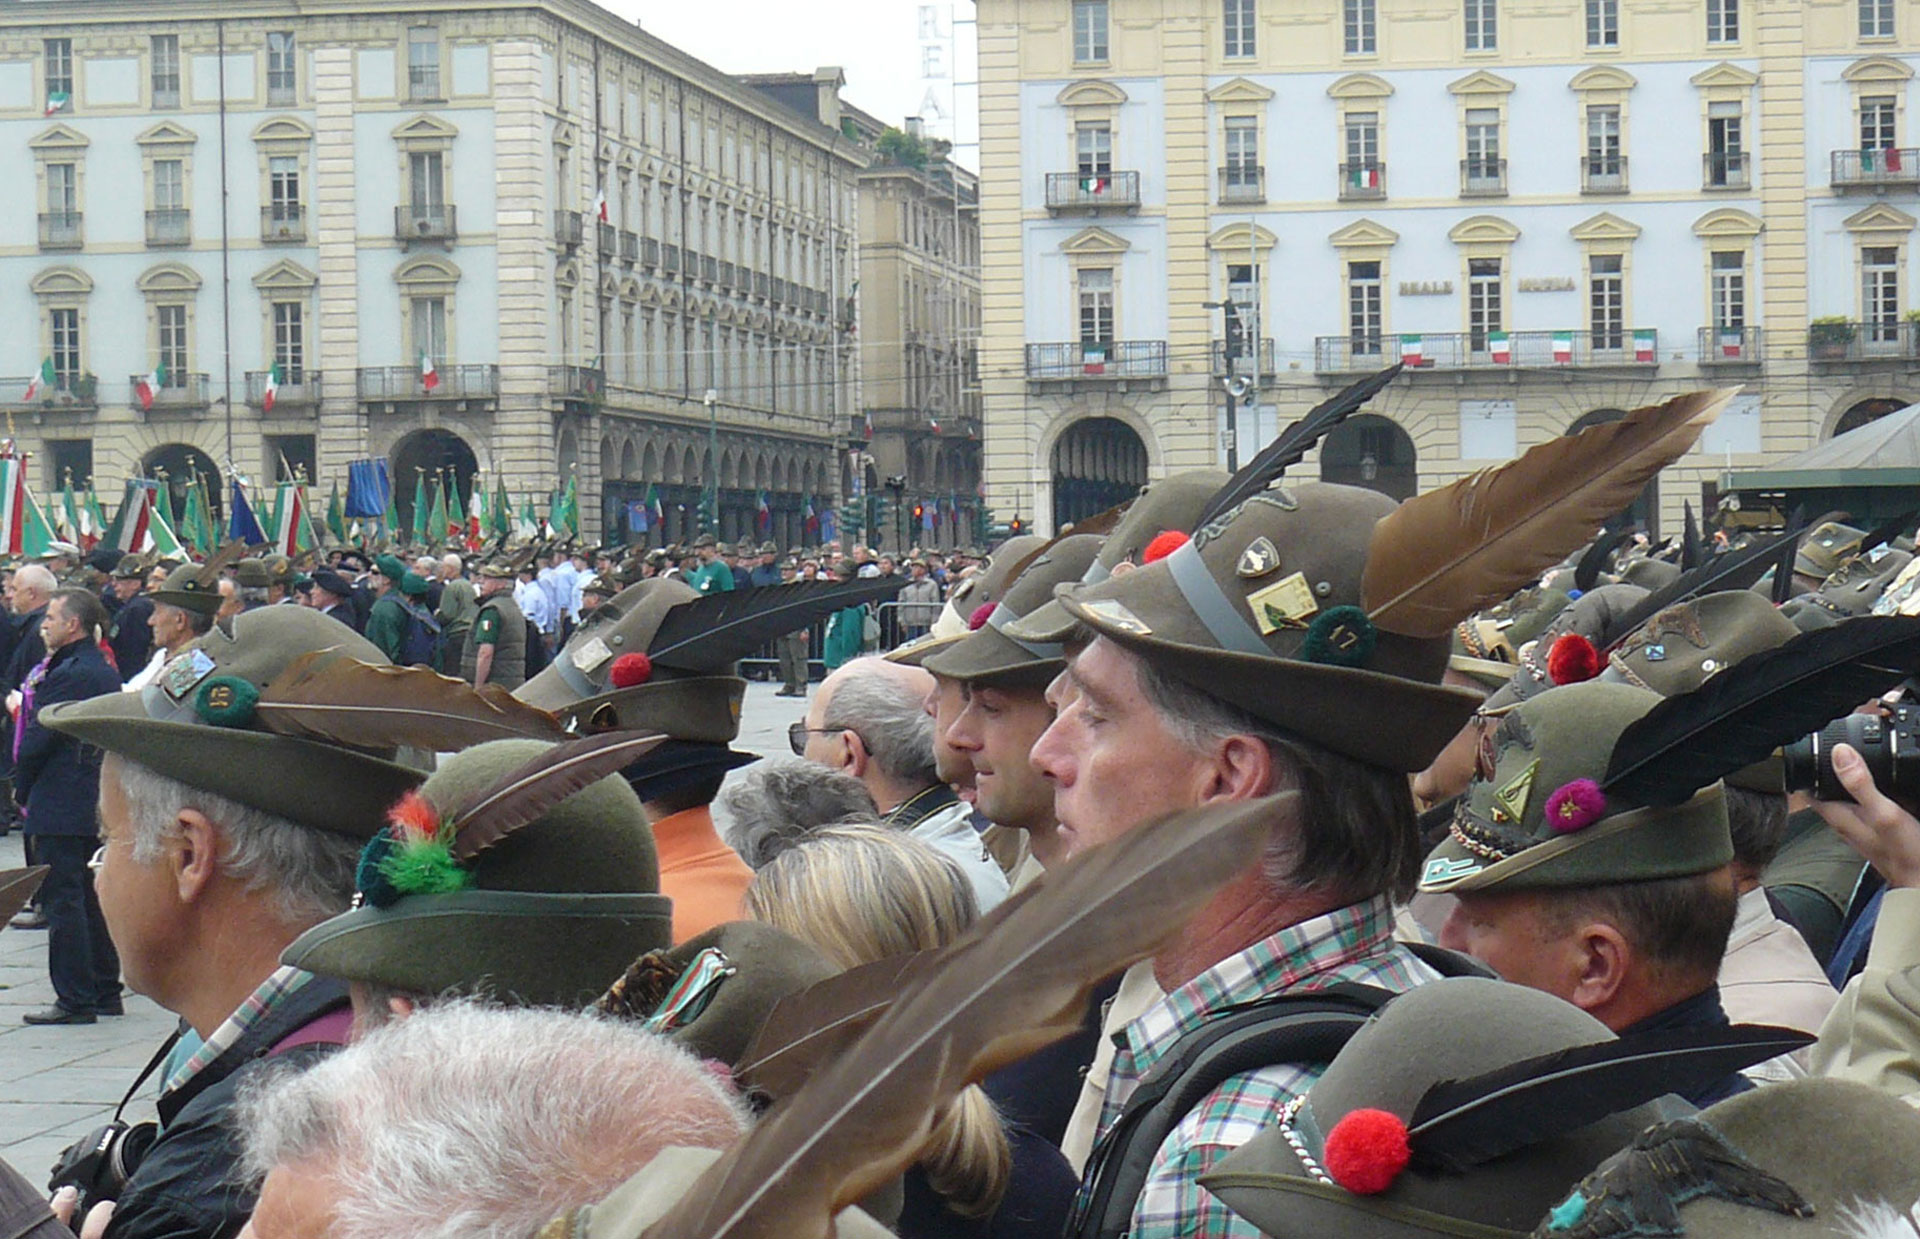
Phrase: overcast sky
(877, 42)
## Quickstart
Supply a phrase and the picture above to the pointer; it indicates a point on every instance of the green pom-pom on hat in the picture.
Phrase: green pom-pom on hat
(416, 868)
(227, 701)
(1340, 637)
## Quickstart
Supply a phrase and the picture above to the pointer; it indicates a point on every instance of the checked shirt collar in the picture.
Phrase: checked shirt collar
(285, 981)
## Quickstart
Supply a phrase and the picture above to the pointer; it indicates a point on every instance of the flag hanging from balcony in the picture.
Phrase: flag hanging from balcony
(1500, 345)
(810, 519)
(600, 204)
(1365, 176)
(868, 416)
(933, 423)
(429, 374)
(590, 381)
(272, 392)
(369, 489)
(1562, 347)
(1730, 343)
(1410, 351)
(762, 514)
(242, 524)
(1093, 357)
(1643, 346)
(655, 512)
(57, 101)
(1886, 159)
(148, 385)
(1094, 183)
(43, 381)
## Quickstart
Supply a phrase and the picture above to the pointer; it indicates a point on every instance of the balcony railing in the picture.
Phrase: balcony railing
(576, 382)
(709, 268)
(69, 391)
(1726, 170)
(760, 285)
(1110, 359)
(425, 223)
(1094, 192)
(403, 383)
(726, 274)
(1242, 182)
(1874, 340)
(1730, 346)
(780, 290)
(670, 258)
(1243, 364)
(1869, 169)
(650, 251)
(629, 247)
(180, 392)
(61, 230)
(568, 228)
(170, 226)
(1603, 175)
(1362, 181)
(299, 388)
(283, 221)
(607, 239)
(1492, 350)
(1483, 178)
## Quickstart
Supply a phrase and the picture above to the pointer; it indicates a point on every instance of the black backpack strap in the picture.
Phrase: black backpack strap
(1288, 1028)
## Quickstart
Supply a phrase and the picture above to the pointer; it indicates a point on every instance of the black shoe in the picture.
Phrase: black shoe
(29, 918)
(111, 1007)
(57, 1014)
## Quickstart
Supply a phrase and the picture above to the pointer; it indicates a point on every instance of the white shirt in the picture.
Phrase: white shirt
(951, 831)
(534, 604)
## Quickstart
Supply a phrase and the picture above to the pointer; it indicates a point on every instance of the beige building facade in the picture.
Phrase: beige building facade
(1551, 212)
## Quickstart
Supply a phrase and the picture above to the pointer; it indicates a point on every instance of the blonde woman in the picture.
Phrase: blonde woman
(859, 893)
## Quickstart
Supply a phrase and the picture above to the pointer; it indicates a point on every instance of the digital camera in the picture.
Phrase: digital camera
(99, 1164)
(1889, 745)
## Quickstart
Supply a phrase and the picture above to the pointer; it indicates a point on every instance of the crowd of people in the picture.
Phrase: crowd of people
(1263, 857)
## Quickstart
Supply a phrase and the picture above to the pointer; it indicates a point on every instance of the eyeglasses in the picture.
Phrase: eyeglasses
(797, 734)
(98, 860)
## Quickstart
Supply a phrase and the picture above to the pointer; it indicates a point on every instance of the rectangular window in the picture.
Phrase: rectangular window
(1485, 171)
(1606, 302)
(283, 188)
(1093, 150)
(1876, 123)
(66, 346)
(169, 185)
(425, 180)
(1483, 33)
(282, 76)
(1365, 319)
(1605, 169)
(1484, 313)
(1240, 18)
(1361, 28)
(1723, 21)
(1603, 23)
(1243, 151)
(290, 341)
(59, 73)
(1880, 293)
(1726, 154)
(430, 327)
(1096, 305)
(423, 63)
(172, 323)
(63, 189)
(1730, 291)
(164, 63)
(1876, 19)
(1243, 289)
(1363, 139)
(1089, 31)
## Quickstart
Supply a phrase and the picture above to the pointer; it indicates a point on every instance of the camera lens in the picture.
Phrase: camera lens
(1809, 762)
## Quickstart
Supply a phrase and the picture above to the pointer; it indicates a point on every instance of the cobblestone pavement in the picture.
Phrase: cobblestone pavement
(58, 1084)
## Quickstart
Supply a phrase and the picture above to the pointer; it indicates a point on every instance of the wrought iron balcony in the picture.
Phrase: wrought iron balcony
(170, 226)
(1483, 178)
(283, 222)
(607, 239)
(1892, 167)
(1726, 170)
(1099, 360)
(183, 393)
(1363, 181)
(1730, 346)
(1241, 182)
(650, 251)
(1093, 192)
(298, 388)
(69, 391)
(1603, 174)
(629, 247)
(395, 383)
(760, 285)
(670, 258)
(1242, 364)
(425, 223)
(576, 382)
(568, 228)
(61, 230)
(709, 268)
(726, 274)
(1874, 340)
(1491, 350)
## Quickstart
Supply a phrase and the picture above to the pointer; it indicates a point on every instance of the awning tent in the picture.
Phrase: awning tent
(1883, 453)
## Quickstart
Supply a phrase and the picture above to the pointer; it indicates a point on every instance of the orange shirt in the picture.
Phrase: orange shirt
(704, 877)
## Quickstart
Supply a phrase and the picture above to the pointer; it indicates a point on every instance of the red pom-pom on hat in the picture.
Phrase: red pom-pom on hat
(415, 815)
(631, 669)
(1366, 1151)
(1164, 543)
(981, 614)
(1572, 660)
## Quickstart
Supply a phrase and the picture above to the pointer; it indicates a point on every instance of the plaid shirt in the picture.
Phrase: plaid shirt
(1353, 944)
(285, 980)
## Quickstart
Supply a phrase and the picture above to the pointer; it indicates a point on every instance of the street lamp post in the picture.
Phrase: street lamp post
(712, 505)
(1235, 385)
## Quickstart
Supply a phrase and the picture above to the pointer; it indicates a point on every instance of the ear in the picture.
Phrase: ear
(1238, 768)
(856, 753)
(1605, 958)
(194, 852)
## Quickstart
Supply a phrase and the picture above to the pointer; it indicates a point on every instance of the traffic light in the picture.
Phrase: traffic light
(1015, 527)
(919, 510)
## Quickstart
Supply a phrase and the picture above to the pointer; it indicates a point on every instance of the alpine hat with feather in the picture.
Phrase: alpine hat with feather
(521, 871)
(993, 655)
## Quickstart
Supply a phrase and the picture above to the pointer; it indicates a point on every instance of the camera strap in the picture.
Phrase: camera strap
(153, 1064)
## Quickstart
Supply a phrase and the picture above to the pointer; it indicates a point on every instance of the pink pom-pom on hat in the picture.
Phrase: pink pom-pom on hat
(1575, 806)
(981, 613)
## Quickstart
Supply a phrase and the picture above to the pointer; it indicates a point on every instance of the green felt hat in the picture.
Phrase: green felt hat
(191, 588)
(1287, 1181)
(251, 573)
(1856, 586)
(1649, 573)
(1526, 615)
(1588, 616)
(1825, 548)
(991, 654)
(195, 724)
(390, 567)
(1827, 1154)
(1535, 815)
(131, 568)
(1263, 609)
(985, 586)
(550, 916)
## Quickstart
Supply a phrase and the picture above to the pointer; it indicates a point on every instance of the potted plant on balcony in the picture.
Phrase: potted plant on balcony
(1829, 338)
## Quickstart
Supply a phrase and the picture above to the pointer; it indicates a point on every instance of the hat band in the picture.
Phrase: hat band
(573, 677)
(164, 709)
(1211, 604)
(1002, 615)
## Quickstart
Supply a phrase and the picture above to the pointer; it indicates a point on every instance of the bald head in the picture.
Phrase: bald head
(872, 720)
(33, 584)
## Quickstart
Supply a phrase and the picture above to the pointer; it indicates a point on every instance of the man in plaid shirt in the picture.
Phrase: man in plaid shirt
(1237, 666)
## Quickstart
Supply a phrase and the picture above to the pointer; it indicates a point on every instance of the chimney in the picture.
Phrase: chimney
(827, 81)
(916, 128)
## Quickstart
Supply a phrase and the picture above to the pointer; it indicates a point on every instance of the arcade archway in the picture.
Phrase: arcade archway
(1870, 410)
(430, 452)
(180, 463)
(1097, 463)
(1371, 451)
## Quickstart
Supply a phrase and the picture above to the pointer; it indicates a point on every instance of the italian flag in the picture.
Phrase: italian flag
(429, 376)
(1730, 344)
(1094, 184)
(654, 508)
(1364, 176)
(57, 101)
(475, 512)
(600, 204)
(42, 382)
(149, 386)
(1093, 358)
(1410, 351)
(1562, 346)
(1643, 346)
(273, 388)
(1500, 344)
(1889, 159)
(291, 531)
(13, 502)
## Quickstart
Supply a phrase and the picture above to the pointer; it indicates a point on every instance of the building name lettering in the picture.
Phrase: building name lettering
(1548, 284)
(1425, 288)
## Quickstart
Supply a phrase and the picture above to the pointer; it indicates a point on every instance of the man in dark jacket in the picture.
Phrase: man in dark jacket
(57, 781)
(32, 586)
(131, 631)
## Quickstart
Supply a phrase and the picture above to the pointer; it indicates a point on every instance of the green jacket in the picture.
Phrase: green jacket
(846, 633)
(387, 626)
(459, 606)
(713, 578)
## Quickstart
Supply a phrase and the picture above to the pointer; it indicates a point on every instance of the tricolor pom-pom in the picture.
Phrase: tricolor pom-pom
(630, 670)
(1164, 543)
(415, 817)
(981, 614)
(1366, 1151)
(1572, 660)
(1575, 806)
